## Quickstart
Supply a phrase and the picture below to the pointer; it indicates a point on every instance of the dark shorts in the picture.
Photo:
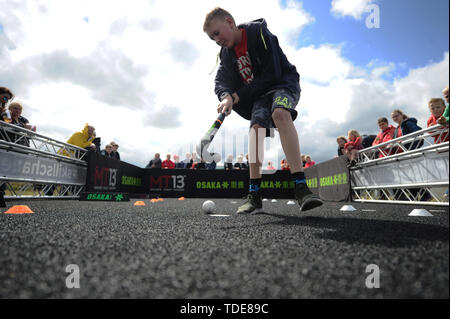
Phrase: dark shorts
(264, 107)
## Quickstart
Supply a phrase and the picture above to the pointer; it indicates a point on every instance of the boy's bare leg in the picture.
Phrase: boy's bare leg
(256, 145)
(256, 136)
(291, 147)
(289, 139)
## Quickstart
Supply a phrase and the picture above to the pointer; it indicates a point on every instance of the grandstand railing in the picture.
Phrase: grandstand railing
(405, 150)
(24, 142)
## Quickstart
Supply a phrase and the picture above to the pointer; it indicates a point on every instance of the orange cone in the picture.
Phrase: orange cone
(19, 209)
(181, 198)
(154, 200)
(139, 203)
(160, 200)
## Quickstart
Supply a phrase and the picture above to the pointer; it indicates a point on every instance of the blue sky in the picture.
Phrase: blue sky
(411, 32)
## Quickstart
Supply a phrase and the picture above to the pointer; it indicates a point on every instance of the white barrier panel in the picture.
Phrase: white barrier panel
(20, 166)
(426, 169)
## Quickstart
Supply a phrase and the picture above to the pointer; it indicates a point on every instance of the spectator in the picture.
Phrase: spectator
(386, 134)
(200, 165)
(443, 120)
(353, 145)
(155, 162)
(177, 162)
(167, 163)
(284, 165)
(187, 161)
(15, 110)
(341, 140)
(240, 164)
(5, 96)
(115, 153)
(406, 125)
(270, 166)
(246, 161)
(303, 158)
(309, 161)
(108, 151)
(228, 163)
(213, 164)
(83, 138)
(194, 160)
(437, 108)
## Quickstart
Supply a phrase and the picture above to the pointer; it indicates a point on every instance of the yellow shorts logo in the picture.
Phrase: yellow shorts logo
(284, 102)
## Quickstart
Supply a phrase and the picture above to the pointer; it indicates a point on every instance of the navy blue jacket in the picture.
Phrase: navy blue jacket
(408, 126)
(271, 69)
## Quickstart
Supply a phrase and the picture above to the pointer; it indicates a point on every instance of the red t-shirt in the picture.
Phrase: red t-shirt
(243, 59)
(432, 121)
(168, 164)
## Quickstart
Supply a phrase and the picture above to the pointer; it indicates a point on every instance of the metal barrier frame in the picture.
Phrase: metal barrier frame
(43, 146)
(417, 194)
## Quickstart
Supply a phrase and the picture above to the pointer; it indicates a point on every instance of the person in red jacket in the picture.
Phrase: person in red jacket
(167, 163)
(386, 134)
(437, 108)
(309, 161)
(353, 145)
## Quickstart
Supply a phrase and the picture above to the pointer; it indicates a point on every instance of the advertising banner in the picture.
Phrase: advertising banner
(15, 165)
(110, 175)
(329, 180)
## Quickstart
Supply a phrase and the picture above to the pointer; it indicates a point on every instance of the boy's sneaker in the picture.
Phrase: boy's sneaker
(306, 199)
(253, 205)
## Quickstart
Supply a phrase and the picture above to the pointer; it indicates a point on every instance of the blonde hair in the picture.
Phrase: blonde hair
(403, 115)
(432, 101)
(354, 133)
(445, 89)
(216, 13)
(15, 103)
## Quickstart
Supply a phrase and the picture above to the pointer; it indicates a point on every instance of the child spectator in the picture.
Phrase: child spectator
(309, 161)
(386, 134)
(341, 140)
(115, 153)
(406, 125)
(167, 163)
(353, 145)
(284, 165)
(228, 163)
(437, 108)
(256, 80)
(107, 151)
(270, 166)
(155, 162)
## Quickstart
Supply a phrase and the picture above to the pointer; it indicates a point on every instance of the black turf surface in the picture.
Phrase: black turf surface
(173, 250)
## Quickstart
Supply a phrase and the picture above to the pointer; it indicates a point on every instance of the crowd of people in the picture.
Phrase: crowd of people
(347, 145)
(404, 125)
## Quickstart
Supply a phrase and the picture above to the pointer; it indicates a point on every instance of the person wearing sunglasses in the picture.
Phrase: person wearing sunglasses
(5, 96)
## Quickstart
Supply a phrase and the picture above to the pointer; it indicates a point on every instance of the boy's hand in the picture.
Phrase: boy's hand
(225, 106)
(442, 120)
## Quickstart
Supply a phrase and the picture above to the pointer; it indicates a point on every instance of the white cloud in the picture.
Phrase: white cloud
(353, 8)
